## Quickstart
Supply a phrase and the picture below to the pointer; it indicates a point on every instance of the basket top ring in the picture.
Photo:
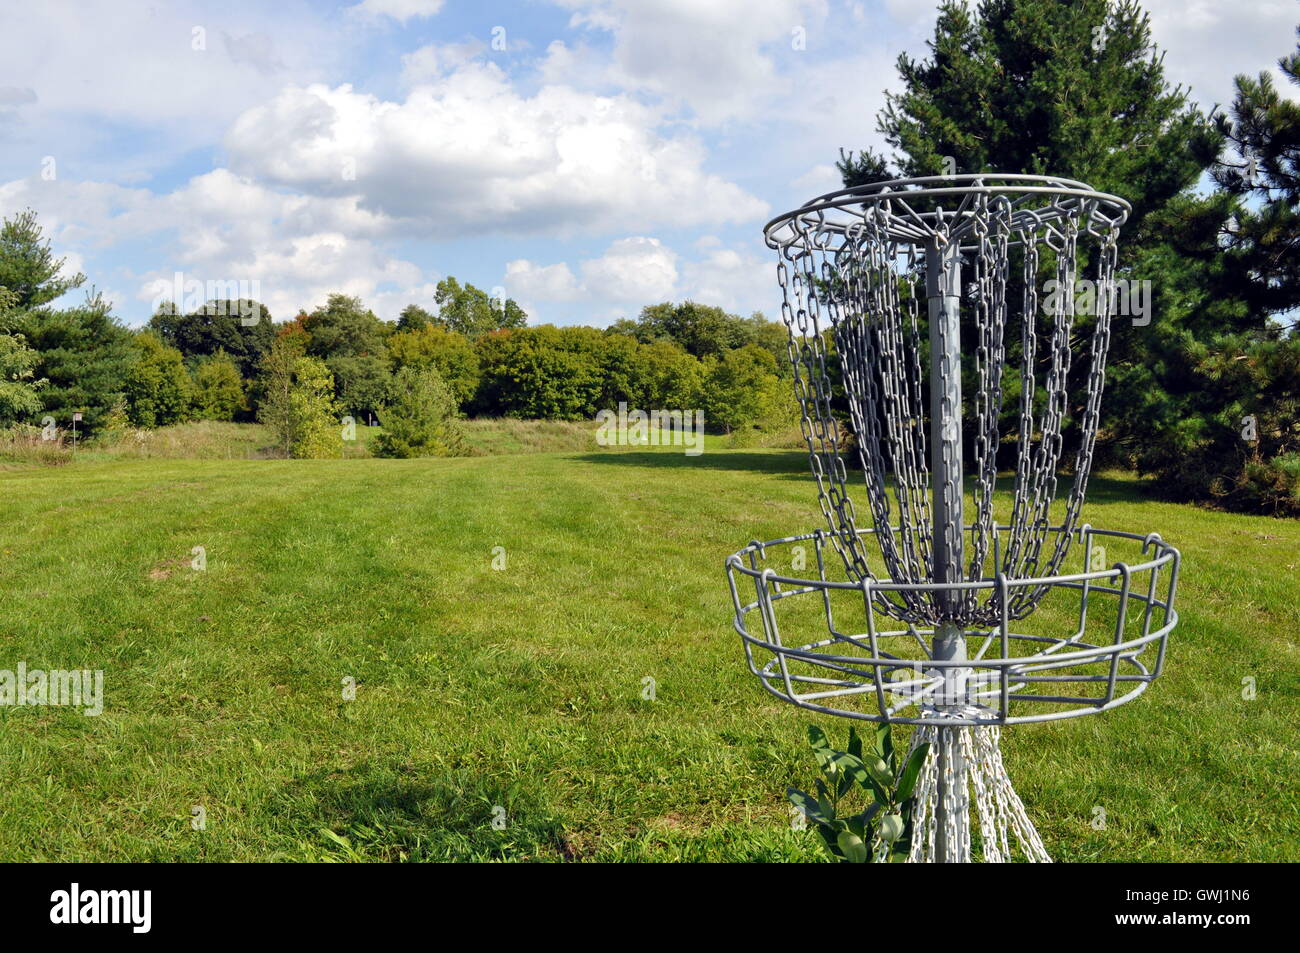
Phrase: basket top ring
(917, 210)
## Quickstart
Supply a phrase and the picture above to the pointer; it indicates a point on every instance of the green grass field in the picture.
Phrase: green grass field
(522, 688)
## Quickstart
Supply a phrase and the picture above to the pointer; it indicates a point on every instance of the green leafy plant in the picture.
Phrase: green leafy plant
(883, 830)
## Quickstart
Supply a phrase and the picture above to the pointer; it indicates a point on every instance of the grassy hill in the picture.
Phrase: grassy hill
(521, 687)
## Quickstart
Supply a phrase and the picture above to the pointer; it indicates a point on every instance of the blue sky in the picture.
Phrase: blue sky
(587, 156)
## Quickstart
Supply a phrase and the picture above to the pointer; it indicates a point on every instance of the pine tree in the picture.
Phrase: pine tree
(421, 418)
(1075, 88)
(85, 355)
(1227, 421)
(83, 351)
(1264, 135)
(28, 267)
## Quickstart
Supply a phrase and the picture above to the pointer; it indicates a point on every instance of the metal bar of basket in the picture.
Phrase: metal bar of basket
(1085, 535)
(875, 648)
(1169, 610)
(1004, 681)
(942, 287)
(1121, 619)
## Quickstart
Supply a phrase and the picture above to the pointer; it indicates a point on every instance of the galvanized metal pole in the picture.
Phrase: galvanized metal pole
(942, 288)
(943, 293)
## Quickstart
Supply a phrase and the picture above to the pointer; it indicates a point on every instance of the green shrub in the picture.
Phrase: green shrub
(313, 413)
(158, 389)
(878, 784)
(218, 388)
(421, 419)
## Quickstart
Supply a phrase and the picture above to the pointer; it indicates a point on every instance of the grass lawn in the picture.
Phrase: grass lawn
(522, 688)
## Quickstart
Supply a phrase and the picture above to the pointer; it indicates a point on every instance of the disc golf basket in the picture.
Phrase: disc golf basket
(919, 312)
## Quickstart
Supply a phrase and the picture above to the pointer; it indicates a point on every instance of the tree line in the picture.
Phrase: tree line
(1206, 397)
(340, 363)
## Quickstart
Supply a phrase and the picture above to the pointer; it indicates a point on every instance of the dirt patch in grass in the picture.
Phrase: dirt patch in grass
(164, 569)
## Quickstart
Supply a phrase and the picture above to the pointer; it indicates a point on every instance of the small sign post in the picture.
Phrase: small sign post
(76, 416)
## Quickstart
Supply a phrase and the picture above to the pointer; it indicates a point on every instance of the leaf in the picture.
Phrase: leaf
(868, 814)
(828, 809)
(850, 765)
(844, 785)
(885, 744)
(821, 748)
(912, 771)
(891, 828)
(860, 824)
(879, 770)
(855, 742)
(878, 792)
(857, 825)
(809, 806)
(854, 847)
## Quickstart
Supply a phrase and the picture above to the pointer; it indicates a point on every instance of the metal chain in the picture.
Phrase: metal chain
(862, 284)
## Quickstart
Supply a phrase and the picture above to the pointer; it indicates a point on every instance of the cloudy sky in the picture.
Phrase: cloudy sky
(588, 156)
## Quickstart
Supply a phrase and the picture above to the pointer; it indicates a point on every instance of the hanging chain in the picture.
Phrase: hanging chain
(862, 284)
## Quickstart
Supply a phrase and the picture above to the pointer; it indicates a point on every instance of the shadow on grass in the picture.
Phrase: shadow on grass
(793, 464)
(386, 813)
(1103, 489)
(788, 463)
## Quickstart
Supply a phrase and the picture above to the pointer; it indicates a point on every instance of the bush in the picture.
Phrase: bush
(158, 389)
(743, 394)
(297, 403)
(218, 388)
(421, 419)
(313, 414)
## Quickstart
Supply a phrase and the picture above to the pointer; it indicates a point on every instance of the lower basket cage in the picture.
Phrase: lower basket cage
(1095, 641)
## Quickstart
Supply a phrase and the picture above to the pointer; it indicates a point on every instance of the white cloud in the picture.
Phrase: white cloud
(301, 271)
(735, 280)
(524, 279)
(16, 95)
(819, 180)
(399, 10)
(721, 58)
(256, 49)
(1209, 42)
(430, 63)
(468, 153)
(73, 264)
(636, 271)
(168, 77)
(220, 227)
(632, 270)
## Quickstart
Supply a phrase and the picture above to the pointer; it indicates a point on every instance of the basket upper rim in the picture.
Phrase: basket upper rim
(834, 211)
